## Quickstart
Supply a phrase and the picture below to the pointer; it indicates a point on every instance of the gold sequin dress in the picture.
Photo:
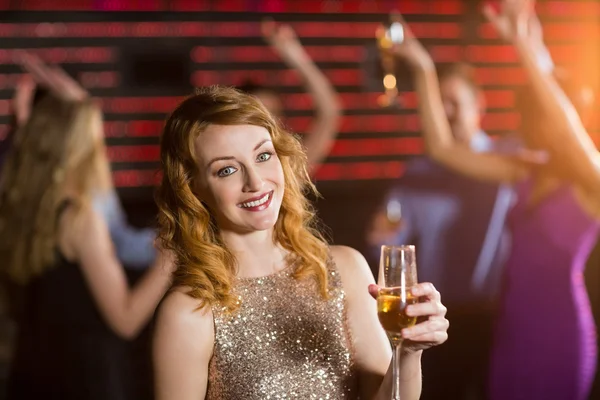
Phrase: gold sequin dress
(284, 342)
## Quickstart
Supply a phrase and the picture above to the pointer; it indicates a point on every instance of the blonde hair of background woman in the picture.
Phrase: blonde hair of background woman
(61, 144)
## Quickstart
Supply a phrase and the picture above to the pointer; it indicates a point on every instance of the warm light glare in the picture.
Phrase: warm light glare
(389, 81)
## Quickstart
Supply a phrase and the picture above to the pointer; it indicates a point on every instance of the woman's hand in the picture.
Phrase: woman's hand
(433, 330)
(284, 41)
(410, 49)
(515, 21)
(53, 78)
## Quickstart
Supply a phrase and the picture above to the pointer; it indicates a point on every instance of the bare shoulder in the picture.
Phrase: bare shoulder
(350, 259)
(182, 347)
(179, 316)
(352, 266)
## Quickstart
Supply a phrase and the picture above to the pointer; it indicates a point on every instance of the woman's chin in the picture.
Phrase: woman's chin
(264, 225)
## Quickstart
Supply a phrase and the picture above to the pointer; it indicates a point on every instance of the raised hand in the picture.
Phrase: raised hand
(410, 49)
(53, 78)
(284, 41)
(514, 21)
(433, 331)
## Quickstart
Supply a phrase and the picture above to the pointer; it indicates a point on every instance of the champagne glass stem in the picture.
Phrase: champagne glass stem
(396, 348)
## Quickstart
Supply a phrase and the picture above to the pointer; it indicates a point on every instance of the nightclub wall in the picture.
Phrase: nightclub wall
(141, 57)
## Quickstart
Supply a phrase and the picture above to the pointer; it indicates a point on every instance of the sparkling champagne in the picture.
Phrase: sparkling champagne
(391, 309)
(397, 275)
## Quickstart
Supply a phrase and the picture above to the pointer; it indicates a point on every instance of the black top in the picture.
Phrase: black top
(64, 349)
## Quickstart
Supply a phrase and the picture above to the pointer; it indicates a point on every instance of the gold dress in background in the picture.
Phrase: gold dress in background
(284, 342)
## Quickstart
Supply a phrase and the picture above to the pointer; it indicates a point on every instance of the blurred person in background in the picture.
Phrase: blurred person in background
(68, 291)
(321, 134)
(544, 338)
(134, 247)
(457, 224)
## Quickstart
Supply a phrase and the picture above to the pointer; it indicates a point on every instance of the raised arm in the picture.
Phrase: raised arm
(439, 141)
(52, 78)
(324, 128)
(577, 154)
(126, 310)
(182, 348)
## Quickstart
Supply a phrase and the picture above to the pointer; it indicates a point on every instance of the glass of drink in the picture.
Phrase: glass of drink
(397, 275)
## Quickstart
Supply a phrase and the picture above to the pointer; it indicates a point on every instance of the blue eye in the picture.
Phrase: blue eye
(262, 157)
(226, 172)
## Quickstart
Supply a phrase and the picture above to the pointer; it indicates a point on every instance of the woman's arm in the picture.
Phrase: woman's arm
(126, 310)
(53, 78)
(324, 128)
(371, 345)
(569, 138)
(439, 141)
(443, 148)
(182, 348)
(134, 247)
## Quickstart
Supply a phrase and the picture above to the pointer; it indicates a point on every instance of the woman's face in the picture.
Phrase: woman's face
(241, 178)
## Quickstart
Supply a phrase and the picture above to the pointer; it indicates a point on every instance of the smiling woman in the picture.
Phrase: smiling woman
(259, 307)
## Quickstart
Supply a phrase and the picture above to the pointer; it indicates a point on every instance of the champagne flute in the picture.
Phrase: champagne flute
(397, 275)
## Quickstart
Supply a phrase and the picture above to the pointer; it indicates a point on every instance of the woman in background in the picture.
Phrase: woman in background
(134, 247)
(69, 293)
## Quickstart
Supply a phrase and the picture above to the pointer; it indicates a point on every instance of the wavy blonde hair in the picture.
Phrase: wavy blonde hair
(57, 143)
(186, 226)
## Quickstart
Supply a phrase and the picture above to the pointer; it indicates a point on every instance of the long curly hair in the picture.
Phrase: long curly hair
(55, 145)
(205, 265)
